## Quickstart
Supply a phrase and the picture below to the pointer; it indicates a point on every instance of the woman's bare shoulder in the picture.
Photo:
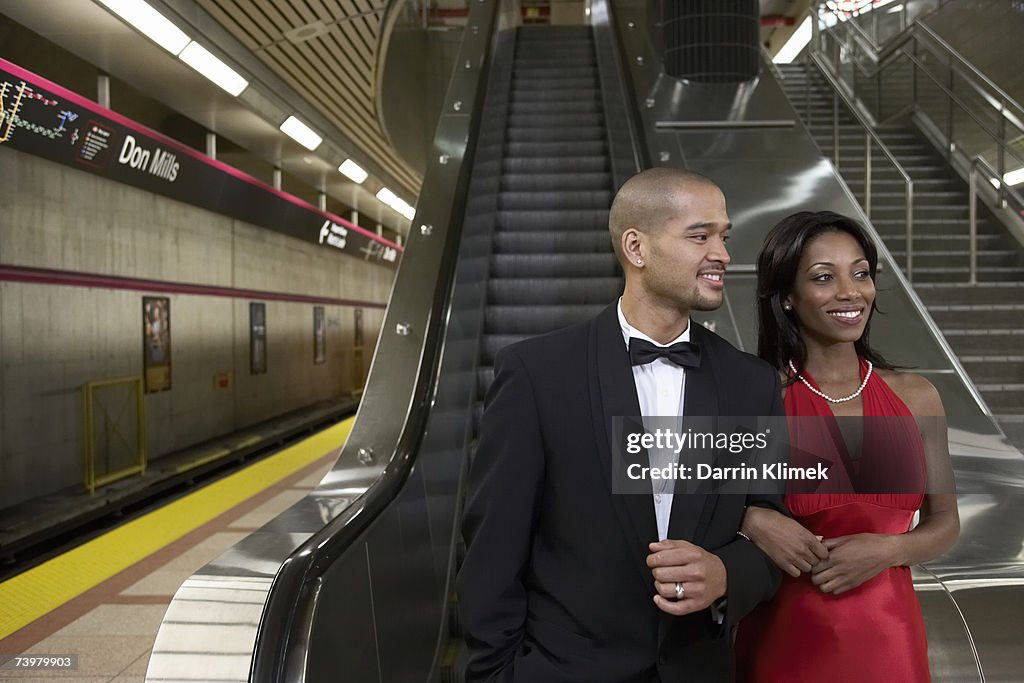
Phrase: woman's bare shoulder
(918, 393)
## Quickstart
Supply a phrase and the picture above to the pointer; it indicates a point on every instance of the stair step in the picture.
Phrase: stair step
(988, 316)
(960, 274)
(959, 293)
(975, 341)
(990, 370)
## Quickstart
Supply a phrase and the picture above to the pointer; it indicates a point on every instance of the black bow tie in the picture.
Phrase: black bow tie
(683, 354)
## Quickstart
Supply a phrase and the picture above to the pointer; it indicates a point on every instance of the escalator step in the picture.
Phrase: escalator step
(553, 291)
(562, 95)
(566, 219)
(578, 133)
(591, 105)
(535, 319)
(554, 165)
(549, 265)
(527, 73)
(556, 149)
(553, 83)
(583, 242)
(553, 182)
(555, 120)
(579, 199)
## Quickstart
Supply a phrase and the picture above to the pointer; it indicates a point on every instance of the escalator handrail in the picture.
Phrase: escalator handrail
(394, 410)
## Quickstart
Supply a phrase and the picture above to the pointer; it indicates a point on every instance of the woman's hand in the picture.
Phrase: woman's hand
(852, 560)
(785, 541)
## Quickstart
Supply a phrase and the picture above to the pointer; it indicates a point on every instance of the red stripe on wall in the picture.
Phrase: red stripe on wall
(44, 276)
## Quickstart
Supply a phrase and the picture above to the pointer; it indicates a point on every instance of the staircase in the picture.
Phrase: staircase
(983, 323)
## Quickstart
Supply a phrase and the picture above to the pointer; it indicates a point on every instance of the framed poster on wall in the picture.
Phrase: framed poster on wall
(257, 339)
(319, 336)
(156, 343)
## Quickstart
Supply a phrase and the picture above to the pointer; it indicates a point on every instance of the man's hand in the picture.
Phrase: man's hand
(785, 541)
(852, 560)
(701, 574)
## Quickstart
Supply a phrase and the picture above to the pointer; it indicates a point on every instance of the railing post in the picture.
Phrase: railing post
(835, 130)
(910, 230)
(807, 92)
(972, 268)
(815, 29)
(949, 116)
(913, 79)
(867, 174)
(903, 18)
(1001, 168)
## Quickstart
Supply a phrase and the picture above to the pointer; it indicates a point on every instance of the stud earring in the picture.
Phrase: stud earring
(788, 306)
(639, 261)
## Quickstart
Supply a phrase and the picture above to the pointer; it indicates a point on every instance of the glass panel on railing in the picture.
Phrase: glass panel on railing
(976, 122)
(896, 94)
(889, 23)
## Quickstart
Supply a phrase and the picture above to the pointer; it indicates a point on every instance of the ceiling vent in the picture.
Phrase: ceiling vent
(307, 32)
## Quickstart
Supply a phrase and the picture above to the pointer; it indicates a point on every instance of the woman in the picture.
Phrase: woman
(846, 610)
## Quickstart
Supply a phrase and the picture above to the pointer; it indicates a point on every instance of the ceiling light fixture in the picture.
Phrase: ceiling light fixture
(1014, 177)
(388, 197)
(301, 133)
(150, 23)
(203, 61)
(353, 171)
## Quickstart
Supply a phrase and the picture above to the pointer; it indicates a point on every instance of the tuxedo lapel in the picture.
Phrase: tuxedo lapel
(700, 399)
(613, 395)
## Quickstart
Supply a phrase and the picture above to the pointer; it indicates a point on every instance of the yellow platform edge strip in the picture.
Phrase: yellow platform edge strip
(32, 594)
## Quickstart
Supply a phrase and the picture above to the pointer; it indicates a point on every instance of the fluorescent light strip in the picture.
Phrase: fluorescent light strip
(301, 133)
(150, 23)
(388, 197)
(203, 61)
(1014, 177)
(353, 171)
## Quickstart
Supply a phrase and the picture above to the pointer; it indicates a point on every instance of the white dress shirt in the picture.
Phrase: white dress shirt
(660, 387)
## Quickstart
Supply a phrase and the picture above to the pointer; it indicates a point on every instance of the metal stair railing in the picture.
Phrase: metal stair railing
(844, 47)
(978, 162)
(871, 140)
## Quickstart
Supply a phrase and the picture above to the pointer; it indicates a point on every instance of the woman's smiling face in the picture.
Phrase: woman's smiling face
(833, 291)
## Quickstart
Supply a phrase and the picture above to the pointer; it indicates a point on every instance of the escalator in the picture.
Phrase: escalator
(552, 264)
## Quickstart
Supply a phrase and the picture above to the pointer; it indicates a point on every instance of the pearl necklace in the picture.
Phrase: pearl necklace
(828, 398)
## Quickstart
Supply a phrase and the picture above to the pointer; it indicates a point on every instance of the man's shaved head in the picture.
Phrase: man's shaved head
(647, 199)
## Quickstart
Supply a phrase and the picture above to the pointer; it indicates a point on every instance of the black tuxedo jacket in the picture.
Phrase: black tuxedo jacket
(554, 586)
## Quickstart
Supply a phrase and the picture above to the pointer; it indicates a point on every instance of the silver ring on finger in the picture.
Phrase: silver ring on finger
(680, 591)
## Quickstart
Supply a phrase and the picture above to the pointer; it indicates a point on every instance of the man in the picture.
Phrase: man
(564, 580)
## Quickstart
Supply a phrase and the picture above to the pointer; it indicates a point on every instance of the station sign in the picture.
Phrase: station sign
(41, 118)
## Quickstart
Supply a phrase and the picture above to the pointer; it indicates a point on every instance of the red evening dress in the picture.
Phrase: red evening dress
(875, 631)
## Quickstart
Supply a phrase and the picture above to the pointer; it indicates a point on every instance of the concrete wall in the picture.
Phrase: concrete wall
(55, 338)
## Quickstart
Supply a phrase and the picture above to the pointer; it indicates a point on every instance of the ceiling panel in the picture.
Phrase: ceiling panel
(333, 69)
